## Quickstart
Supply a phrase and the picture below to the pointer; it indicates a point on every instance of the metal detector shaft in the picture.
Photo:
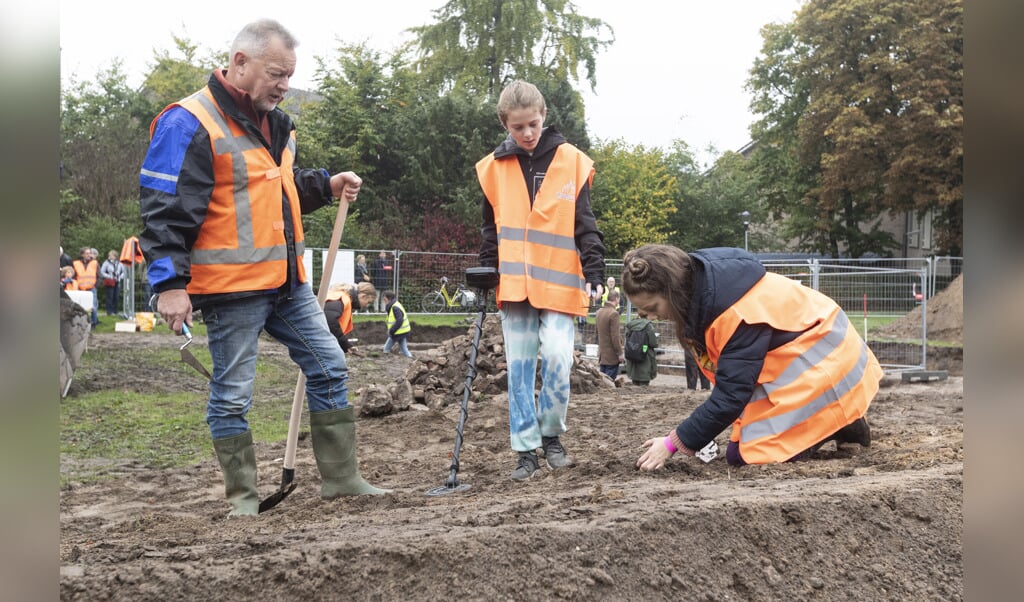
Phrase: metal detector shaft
(453, 479)
(483, 279)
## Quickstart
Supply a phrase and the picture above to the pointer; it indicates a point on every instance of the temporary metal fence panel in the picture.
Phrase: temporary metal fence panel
(872, 292)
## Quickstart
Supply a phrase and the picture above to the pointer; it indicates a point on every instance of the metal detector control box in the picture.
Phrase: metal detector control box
(483, 278)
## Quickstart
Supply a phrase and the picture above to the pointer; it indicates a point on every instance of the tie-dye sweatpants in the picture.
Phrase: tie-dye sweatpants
(529, 331)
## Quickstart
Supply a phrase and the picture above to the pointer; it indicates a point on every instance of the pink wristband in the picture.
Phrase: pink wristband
(668, 445)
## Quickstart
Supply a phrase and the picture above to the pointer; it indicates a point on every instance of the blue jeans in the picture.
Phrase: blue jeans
(401, 340)
(528, 330)
(297, 322)
(610, 370)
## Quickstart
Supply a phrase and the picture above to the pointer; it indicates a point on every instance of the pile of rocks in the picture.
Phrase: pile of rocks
(438, 376)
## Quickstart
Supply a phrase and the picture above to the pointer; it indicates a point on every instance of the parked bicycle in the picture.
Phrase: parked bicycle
(443, 300)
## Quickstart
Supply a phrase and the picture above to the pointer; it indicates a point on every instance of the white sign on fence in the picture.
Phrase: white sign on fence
(344, 266)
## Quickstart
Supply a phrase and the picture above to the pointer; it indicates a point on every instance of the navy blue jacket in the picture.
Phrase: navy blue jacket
(721, 277)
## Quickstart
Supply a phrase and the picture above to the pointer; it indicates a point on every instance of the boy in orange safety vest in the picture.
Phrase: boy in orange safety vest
(539, 231)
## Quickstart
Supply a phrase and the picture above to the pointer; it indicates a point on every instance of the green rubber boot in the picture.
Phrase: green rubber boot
(334, 446)
(238, 461)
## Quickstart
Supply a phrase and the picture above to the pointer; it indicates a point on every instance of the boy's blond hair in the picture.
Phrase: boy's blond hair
(520, 94)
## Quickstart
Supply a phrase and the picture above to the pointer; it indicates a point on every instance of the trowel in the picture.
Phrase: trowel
(188, 358)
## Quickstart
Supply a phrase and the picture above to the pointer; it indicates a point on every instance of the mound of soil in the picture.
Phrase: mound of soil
(945, 317)
(877, 523)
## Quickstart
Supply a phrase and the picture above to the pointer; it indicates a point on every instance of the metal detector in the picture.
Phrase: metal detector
(483, 279)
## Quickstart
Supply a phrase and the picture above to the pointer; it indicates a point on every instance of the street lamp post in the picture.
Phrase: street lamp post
(746, 226)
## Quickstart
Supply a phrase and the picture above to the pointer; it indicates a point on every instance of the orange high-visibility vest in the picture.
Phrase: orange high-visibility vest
(345, 320)
(808, 388)
(241, 245)
(131, 252)
(537, 256)
(85, 274)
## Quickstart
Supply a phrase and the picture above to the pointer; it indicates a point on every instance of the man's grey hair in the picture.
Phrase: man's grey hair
(256, 36)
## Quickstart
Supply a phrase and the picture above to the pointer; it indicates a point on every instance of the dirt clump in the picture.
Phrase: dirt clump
(877, 523)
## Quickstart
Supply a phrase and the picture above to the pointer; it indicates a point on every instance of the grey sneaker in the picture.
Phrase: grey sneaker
(554, 453)
(528, 465)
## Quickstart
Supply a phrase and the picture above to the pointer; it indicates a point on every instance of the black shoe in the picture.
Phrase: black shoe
(528, 465)
(554, 453)
(856, 432)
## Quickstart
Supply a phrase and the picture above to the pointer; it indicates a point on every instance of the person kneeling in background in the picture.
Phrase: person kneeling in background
(342, 301)
(787, 369)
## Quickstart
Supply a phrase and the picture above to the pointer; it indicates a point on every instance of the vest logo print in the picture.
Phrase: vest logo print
(568, 191)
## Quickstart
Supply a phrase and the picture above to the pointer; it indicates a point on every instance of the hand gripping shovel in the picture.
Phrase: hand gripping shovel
(483, 279)
(186, 355)
(288, 483)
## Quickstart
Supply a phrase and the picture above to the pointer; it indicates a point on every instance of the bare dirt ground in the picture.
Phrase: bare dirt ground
(882, 523)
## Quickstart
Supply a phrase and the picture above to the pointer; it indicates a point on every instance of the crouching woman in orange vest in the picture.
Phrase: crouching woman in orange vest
(343, 299)
(788, 370)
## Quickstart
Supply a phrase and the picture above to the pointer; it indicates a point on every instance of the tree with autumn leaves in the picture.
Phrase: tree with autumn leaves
(861, 112)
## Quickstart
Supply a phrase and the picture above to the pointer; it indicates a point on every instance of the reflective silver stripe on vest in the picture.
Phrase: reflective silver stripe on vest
(513, 234)
(246, 251)
(783, 422)
(818, 352)
(551, 240)
(518, 268)
(547, 239)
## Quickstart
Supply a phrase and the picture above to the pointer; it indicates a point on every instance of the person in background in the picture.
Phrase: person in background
(398, 324)
(86, 272)
(609, 336)
(67, 279)
(363, 275)
(693, 372)
(610, 286)
(540, 232)
(382, 275)
(787, 369)
(112, 273)
(642, 371)
(65, 259)
(225, 152)
(342, 301)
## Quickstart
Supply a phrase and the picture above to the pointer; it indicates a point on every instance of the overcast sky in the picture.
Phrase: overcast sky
(675, 71)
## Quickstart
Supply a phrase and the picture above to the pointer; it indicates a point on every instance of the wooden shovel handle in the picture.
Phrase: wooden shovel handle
(321, 298)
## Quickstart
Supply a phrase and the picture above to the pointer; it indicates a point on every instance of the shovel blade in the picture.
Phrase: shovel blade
(287, 486)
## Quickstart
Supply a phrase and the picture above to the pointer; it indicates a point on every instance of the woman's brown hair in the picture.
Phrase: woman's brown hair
(661, 270)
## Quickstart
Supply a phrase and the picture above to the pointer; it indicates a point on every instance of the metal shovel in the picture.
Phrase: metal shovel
(483, 279)
(188, 358)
